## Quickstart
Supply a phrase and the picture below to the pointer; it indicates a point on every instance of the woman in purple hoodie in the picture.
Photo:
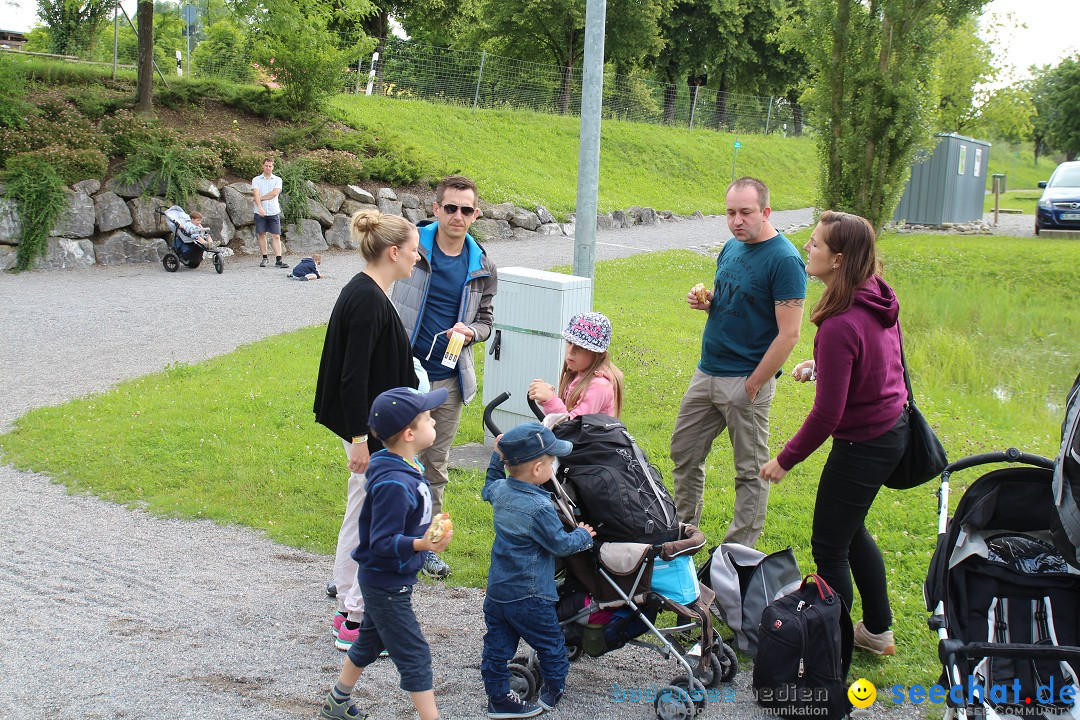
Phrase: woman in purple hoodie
(860, 401)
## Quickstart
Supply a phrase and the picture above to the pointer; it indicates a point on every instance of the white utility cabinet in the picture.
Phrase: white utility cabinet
(532, 309)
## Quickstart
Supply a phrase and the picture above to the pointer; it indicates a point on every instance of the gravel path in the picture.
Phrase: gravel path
(113, 613)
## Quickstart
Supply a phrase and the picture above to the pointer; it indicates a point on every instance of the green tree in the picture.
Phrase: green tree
(1060, 97)
(965, 64)
(553, 31)
(73, 24)
(873, 95)
(1007, 114)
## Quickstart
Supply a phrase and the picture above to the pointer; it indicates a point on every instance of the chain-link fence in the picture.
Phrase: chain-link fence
(481, 80)
(477, 79)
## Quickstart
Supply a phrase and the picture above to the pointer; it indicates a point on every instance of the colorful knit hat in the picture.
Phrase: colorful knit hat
(589, 330)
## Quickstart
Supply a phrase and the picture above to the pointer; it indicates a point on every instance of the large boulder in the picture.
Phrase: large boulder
(8, 255)
(77, 218)
(111, 211)
(525, 219)
(388, 206)
(387, 194)
(207, 188)
(620, 219)
(604, 221)
(351, 207)
(305, 237)
(316, 211)
(10, 227)
(148, 184)
(122, 247)
(544, 215)
(145, 218)
(359, 194)
(215, 217)
(90, 186)
(340, 234)
(643, 216)
(246, 239)
(490, 229)
(66, 254)
(549, 229)
(521, 233)
(331, 198)
(502, 211)
(410, 201)
(414, 215)
(239, 205)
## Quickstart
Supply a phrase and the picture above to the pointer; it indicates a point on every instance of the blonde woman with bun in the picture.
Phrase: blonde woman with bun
(366, 352)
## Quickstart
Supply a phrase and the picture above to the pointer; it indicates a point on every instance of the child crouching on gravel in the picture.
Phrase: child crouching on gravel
(394, 541)
(308, 268)
(521, 595)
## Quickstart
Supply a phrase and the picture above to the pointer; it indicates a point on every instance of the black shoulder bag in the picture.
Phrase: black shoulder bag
(924, 458)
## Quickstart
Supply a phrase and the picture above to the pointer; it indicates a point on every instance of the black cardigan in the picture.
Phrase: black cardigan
(366, 352)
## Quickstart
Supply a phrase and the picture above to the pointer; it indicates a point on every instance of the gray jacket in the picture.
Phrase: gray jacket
(477, 309)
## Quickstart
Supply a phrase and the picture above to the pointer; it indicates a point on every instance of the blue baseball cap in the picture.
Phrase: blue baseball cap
(394, 410)
(529, 441)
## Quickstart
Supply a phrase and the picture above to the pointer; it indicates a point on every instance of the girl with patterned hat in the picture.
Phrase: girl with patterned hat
(590, 382)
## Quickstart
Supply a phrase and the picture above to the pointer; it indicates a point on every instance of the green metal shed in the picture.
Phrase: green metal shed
(948, 184)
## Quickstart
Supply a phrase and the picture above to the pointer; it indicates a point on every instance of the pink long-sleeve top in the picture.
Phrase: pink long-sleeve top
(860, 379)
(598, 398)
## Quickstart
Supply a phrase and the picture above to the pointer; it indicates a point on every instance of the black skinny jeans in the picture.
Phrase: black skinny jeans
(841, 545)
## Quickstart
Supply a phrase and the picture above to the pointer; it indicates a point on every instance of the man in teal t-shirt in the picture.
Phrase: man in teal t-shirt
(755, 313)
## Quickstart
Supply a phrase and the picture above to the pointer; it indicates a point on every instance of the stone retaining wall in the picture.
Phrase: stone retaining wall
(114, 224)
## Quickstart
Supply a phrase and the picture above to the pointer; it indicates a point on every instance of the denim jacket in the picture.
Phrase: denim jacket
(528, 536)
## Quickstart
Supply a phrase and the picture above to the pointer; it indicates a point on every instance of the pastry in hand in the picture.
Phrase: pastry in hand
(440, 525)
(702, 293)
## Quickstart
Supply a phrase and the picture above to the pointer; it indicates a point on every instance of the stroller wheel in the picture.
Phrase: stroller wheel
(573, 652)
(713, 673)
(219, 264)
(729, 664)
(522, 681)
(673, 703)
(170, 262)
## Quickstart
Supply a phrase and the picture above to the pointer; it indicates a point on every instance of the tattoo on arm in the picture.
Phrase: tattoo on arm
(793, 302)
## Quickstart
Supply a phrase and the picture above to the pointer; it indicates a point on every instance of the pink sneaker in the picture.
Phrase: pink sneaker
(346, 637)
(339, 622)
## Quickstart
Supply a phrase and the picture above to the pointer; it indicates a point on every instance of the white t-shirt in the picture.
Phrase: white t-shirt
(268, 185)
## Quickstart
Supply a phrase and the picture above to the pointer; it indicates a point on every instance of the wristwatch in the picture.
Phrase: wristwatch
(360, 438)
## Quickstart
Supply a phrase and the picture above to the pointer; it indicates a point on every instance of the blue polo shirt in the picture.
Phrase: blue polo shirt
(750, 278)
(442, 309)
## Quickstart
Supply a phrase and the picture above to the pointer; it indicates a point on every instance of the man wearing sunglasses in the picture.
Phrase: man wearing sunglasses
(452, 288)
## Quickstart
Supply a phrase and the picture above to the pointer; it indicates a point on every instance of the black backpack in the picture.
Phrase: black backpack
(1066, 525)
(620, 493)
(803, 653)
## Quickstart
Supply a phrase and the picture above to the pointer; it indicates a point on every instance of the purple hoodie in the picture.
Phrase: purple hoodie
(860, 379)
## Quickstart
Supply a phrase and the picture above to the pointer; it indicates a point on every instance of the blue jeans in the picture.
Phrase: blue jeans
(532, 620)
(389, 623)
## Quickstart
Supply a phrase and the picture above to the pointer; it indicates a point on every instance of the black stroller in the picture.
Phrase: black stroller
(607, 597)
(1004, 601)
(188, 242)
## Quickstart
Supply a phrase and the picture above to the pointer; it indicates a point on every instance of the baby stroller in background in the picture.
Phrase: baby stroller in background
(188, 242)
(606, 595)
(1005, 603)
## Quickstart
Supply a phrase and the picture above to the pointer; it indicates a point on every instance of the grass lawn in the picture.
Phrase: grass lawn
(1019, 166)
(992, 353)
(1022, 200)
(531, 158)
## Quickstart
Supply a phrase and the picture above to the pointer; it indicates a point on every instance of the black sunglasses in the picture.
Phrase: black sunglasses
(450, 209)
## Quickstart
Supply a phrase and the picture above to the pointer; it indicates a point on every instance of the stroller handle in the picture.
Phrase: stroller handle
(536, 409)
(1012, 455)
(489, 408)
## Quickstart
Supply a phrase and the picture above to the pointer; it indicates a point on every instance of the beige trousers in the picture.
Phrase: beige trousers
(436, 458)
(710, 405)
(349, 599)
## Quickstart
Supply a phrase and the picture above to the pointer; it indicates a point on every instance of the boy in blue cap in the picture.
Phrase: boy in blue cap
(394, 540)
(521, 596)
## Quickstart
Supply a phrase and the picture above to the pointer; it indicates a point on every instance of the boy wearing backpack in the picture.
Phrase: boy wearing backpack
(521, 595)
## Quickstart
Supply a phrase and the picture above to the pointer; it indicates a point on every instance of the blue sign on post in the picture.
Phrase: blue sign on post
(738, 144)
(735, 160)
(189, 13)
